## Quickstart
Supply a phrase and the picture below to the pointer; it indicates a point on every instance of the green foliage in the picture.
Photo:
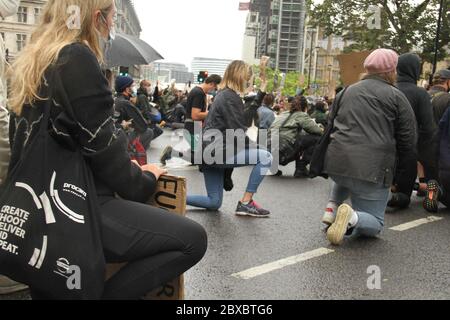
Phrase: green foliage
(290, 86)
(406, 25)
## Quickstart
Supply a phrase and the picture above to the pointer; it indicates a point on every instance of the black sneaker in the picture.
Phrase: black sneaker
(166, 155)
(252, 209)
(431, 202)
(399, 200)
(228, 184)
(301, 173)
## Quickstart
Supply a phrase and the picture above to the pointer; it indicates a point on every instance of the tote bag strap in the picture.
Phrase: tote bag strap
(336, 108)
(47, 108)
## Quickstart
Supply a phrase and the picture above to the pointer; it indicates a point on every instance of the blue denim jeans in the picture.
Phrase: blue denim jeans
(369, 200)
(214, 177)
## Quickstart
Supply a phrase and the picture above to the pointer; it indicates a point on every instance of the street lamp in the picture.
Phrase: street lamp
(436, 45)
(310, 57)
(317, 62)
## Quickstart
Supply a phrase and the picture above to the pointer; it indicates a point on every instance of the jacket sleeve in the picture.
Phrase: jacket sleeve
(406, 128)
(310, 126)
(427, 127)
(90, 101)
(259, 99)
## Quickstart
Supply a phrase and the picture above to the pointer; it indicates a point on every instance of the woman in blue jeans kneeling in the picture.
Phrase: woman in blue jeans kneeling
(375, 125)
(226, 118)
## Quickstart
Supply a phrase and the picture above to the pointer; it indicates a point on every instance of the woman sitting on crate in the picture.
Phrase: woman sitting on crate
(298, 134)
(157, 246)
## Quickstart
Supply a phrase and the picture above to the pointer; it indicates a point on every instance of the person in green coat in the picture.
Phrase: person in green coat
(298, 134)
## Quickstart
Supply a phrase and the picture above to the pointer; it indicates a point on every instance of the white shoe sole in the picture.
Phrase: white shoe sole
(246, 214)
(339, 228)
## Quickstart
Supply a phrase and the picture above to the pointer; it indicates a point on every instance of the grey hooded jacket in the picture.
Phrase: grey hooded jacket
(375, 124)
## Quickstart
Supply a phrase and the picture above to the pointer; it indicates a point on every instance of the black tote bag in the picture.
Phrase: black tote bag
(318, 158)
(49, 225)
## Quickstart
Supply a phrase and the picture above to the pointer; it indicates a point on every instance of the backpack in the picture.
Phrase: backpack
(137, 151)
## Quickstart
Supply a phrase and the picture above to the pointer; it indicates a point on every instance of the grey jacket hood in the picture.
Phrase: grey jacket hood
(408, 68)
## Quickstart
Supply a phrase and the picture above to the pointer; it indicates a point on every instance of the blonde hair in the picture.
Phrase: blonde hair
(236, 76)
(51, 35)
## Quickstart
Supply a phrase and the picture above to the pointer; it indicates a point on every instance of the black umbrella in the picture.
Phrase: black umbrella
(128, 50)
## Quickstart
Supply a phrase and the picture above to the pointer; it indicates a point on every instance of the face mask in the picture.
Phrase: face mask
(112, 31)
(105, 45)
(134, 92)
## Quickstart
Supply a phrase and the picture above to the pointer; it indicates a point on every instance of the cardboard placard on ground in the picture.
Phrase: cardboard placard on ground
(171, 195)
(352, 66)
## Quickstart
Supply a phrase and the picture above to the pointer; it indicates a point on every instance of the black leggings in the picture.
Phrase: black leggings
(158, 245)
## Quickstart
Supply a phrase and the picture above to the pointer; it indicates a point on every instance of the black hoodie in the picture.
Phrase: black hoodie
(408, 74)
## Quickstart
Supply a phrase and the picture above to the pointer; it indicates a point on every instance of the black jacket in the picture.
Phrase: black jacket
(408, 74)
(82, 116)
(226, 113)
(129, 112)
(375, 124)
(143, 103)
(440, 101)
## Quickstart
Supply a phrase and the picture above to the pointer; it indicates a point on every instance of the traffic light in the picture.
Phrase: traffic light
(124, 71)
(202, 76)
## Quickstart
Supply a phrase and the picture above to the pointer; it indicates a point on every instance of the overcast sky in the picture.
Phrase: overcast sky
(183, 29)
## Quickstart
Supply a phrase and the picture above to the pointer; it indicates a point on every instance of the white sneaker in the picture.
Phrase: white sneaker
(339, 228)
(329, 216)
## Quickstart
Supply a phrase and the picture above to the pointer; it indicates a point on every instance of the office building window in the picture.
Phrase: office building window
(21, 41)
(37, 15)
(22, 15)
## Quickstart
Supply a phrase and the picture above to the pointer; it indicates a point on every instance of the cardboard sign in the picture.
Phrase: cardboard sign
(352, 66)
(170, 195)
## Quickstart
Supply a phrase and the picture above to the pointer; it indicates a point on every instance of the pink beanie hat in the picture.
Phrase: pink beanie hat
(381, 61)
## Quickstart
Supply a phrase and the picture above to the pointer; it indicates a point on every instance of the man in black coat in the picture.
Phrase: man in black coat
(439, 94)
(128, 112)
(408, 70)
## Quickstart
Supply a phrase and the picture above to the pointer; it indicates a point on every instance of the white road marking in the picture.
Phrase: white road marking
(269, 267)
(416, 223)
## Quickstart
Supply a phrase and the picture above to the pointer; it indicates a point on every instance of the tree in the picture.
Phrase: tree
(290, 85)
(403, 25)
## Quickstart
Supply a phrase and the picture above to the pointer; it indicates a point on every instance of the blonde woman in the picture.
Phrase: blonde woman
(65, 60)
(226, 118)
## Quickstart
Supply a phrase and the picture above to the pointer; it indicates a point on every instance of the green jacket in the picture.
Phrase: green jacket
(297, 122)
(320, 117)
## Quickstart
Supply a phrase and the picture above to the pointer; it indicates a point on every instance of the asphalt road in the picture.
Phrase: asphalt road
(412, 264)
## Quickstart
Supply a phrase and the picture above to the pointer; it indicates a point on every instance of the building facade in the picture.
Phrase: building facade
(277, 29)
(212, 66)
(16, 30)
(128, 23)
(165, 72)
(127, 19)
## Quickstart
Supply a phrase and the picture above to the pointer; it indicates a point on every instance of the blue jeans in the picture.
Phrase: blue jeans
(369, 200)
(214, 177)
